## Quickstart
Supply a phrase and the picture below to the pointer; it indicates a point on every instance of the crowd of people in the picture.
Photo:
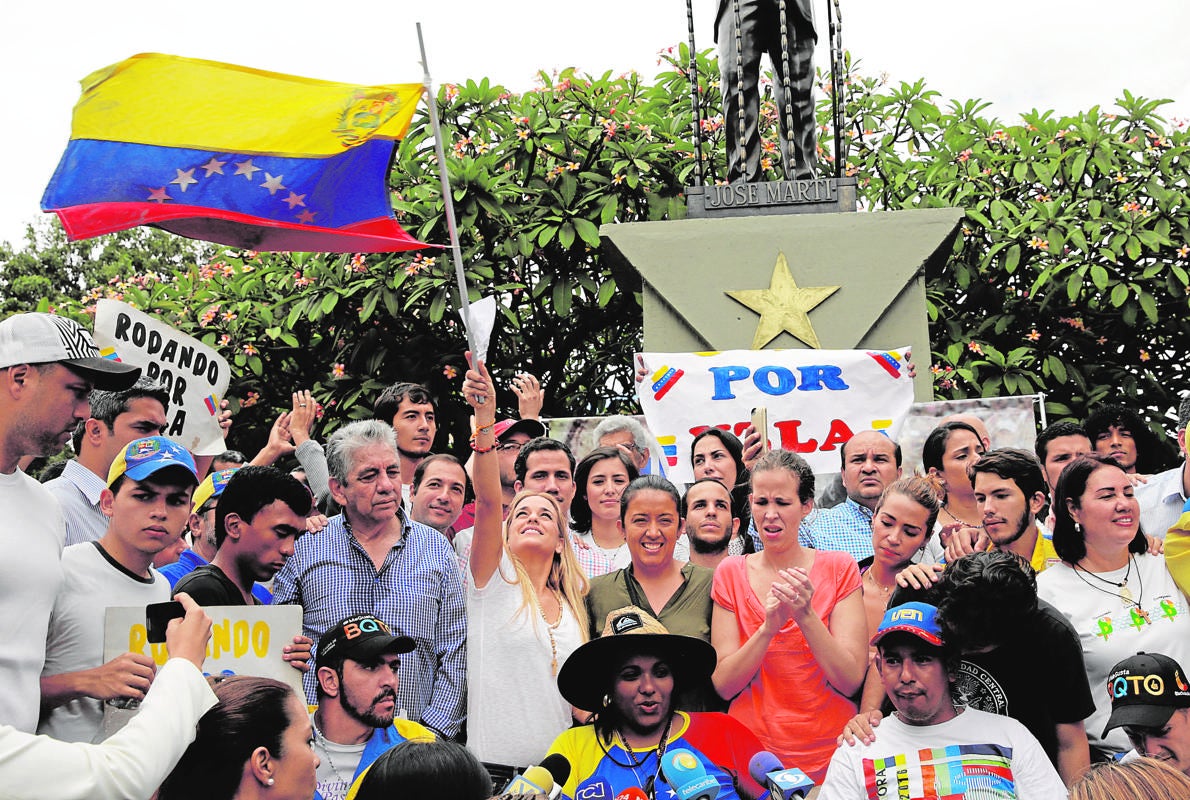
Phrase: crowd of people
(1007, 623)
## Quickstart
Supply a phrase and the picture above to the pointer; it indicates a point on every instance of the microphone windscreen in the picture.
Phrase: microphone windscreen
(632, 793)
(762, 764)
(558, 766)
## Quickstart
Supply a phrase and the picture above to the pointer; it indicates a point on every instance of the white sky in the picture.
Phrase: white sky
(1021, 54)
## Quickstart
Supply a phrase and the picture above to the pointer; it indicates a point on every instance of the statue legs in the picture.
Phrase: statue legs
(739, 67)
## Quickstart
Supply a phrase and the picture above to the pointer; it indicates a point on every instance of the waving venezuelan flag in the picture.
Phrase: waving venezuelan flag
(233, 155)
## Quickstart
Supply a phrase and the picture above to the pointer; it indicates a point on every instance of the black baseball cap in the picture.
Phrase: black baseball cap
(1145, 690)
(362, 637)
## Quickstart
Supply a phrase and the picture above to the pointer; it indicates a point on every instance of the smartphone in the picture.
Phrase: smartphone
(157, 617)
(760, 421)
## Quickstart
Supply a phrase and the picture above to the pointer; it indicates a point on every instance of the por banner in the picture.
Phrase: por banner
(816, 399)
(195, 375)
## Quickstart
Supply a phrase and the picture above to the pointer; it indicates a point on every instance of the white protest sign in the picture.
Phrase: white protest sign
(816, 399)
(245, 640)
(194, 374)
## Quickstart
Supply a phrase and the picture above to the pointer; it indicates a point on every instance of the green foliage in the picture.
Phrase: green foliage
(1070, 275)
(50, 271)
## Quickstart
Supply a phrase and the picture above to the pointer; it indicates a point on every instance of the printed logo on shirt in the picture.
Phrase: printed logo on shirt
(966, 770)
(594, 790)
(978, 689)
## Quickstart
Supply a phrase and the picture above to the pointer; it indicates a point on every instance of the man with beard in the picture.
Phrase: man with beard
(710, 521)
(1010, 491)
(355, 721)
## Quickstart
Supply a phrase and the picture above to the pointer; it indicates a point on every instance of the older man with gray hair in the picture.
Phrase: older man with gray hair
(373, 559)
(630, 436)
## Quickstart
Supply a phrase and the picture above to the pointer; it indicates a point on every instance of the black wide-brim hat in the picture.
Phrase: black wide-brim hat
(587, 675)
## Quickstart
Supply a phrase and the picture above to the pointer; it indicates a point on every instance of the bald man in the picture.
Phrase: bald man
(871, 461)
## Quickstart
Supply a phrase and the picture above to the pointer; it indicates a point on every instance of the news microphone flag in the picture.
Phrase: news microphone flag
(686, 775)
(534, 780)
(632, 793)
(782, 783)
(233, 155)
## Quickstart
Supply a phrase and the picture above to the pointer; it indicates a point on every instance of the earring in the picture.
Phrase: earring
(607, 701)
(270, 782)
(1078, 529)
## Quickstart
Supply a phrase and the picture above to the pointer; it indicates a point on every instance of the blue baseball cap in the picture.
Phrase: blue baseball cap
(212, 486)
(143, 457)
(919, 619)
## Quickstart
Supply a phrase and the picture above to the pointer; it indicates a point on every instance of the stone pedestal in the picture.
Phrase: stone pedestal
(856, 279)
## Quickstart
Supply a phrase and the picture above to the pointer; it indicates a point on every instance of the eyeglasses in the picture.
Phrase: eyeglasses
(510, 447)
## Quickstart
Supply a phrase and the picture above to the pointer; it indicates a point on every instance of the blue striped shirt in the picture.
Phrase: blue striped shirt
(846, 527)
(417, 592)
(77, 490)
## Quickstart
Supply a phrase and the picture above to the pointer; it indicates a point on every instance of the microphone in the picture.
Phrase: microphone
(534, 780)
(559, 768)
(546, 778)
(632, 793)
(686, 775)
(782, 783)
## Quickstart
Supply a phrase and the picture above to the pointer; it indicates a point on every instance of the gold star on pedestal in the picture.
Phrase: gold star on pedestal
(784, 306)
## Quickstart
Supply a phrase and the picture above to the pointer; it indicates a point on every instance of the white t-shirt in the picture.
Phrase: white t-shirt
(1111, 629)
(975, 754)
(514, 710)
(337, 764)
(31, 537)
(92, 583)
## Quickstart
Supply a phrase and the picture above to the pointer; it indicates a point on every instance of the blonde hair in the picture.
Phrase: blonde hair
(566, 576)
(1139, 779)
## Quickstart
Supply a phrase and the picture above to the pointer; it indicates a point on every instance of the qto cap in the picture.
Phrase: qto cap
(1145, 690)
(36, 338)
(141, 458)
(919, 619)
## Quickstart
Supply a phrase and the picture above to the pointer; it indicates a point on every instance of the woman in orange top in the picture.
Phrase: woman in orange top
(788, 626)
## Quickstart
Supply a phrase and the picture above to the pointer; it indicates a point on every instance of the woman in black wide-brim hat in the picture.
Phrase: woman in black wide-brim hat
(630, 676)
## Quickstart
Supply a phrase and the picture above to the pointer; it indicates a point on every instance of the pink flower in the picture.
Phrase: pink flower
(975, 347)
(338, 370)
(251, 399)
(450, 372)
(250, 350)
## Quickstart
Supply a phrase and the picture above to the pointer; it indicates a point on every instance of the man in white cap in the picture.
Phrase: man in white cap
(48, 367)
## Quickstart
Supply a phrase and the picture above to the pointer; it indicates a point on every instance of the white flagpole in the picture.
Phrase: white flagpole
(447, 198)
